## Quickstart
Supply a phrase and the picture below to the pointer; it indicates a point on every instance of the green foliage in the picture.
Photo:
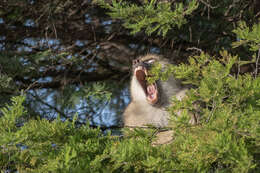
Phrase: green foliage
(42, 146)
(150, 17)
(247, 36)
(98, 91)
(227, 138)
(4, 82)
(229, 116)
(10, 114)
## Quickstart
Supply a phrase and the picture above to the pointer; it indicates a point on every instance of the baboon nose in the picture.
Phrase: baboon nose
(136, 61)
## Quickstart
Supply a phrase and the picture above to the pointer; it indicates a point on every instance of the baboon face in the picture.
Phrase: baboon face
(141, 68)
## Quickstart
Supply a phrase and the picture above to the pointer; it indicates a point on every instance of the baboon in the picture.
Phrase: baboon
(149, 101)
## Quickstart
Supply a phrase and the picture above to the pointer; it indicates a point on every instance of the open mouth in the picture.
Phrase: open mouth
(150, 90)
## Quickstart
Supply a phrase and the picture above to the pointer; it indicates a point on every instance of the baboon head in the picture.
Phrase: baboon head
(158, 93)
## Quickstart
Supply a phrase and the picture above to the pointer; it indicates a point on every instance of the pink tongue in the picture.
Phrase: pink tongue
(152, 93)
(150, 89)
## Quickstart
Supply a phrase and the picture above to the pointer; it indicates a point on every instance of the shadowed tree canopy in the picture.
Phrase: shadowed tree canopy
(71, 57)
(64, 63)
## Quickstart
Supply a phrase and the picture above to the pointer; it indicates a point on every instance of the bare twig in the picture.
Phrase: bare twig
(102, 127)
(256, 63)
(190, 30)
(30, 86)
(194, 48)
(159, 129)
(35, 95)
(207, 4)
(258, 14)
(55, 31)
(238, 69)
(212, 112)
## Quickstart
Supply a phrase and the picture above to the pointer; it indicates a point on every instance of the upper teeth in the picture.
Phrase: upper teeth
(141, 68)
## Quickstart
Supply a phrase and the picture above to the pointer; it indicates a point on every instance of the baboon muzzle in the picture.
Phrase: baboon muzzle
(141, 73)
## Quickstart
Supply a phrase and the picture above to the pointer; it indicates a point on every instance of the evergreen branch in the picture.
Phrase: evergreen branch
(71, 79)
(117, 127)
(150, 17)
